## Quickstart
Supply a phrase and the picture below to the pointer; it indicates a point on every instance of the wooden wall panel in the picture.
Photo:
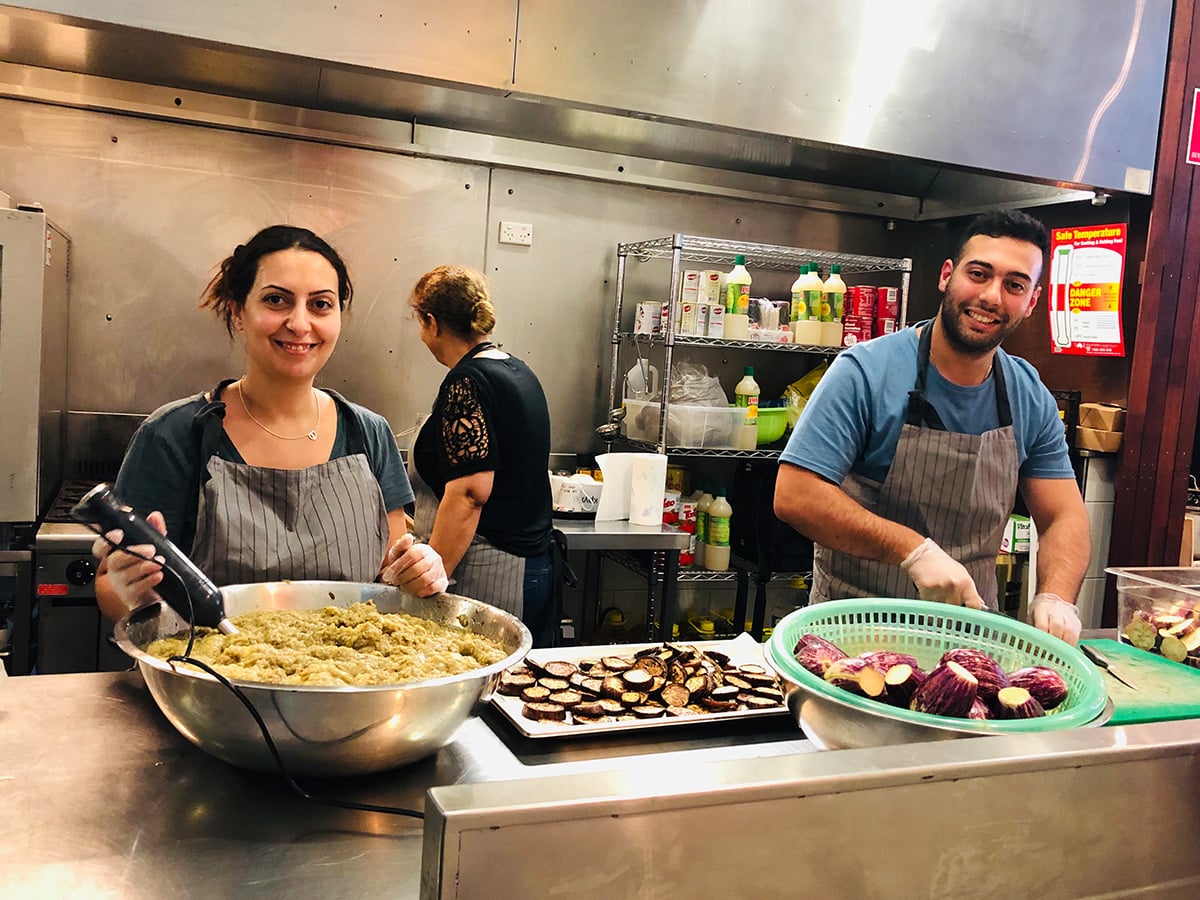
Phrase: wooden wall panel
(1164, 390)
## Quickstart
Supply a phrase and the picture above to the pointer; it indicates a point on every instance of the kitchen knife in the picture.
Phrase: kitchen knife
(1102, 661)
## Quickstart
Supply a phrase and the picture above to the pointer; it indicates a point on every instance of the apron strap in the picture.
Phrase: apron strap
(207, 427)
(921, 413)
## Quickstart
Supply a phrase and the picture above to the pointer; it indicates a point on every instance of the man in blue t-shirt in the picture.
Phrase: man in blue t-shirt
(905, 463)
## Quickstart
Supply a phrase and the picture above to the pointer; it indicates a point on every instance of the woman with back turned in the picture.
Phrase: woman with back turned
(480, 464)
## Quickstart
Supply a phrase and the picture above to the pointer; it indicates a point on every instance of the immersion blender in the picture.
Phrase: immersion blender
(182, 579)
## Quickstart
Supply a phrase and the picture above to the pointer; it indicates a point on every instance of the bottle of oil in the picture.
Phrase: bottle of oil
(716, 551)
(746, 396)
(806, 327)
(702, 507)
(737, 288)
(833, 301)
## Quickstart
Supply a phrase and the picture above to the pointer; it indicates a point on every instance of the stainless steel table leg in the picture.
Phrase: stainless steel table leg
(666, 615)
(591, 595)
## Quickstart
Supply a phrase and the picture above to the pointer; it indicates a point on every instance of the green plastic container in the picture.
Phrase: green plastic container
(772, 423)
(927, 630)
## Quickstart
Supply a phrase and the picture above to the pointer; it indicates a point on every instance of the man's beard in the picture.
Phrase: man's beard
(961, 340)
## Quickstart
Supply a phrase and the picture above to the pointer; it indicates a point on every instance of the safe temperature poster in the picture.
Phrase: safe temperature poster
(1086, 267)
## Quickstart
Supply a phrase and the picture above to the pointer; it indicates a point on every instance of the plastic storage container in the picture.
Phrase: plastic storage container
(1158, 609)
(706, 427)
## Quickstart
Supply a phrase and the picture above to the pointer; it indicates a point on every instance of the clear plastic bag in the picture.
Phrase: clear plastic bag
(692, 385)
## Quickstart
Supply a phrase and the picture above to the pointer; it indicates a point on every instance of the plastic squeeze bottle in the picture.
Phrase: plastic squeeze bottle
(737, 288)
(833, 302)
(746, 396)
(716, 551)
(806, 329)
(799, 308)
(702, 506)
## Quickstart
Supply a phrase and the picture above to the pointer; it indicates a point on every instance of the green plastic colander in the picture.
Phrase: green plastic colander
(927, 630)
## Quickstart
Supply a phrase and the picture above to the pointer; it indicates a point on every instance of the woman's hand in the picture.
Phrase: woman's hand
(132, 579)
(413, 567)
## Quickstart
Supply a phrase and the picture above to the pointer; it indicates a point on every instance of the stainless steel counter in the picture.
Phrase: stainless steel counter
(102, 798)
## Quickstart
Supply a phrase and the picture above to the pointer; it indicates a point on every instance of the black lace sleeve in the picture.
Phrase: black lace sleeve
(466, 431)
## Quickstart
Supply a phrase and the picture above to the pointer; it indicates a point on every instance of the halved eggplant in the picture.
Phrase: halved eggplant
(886, 659)
(950, 690)
(987, 671)
(1047, 686)
(816, 654)
(901, 682)
(856, 675)
(1017, 703)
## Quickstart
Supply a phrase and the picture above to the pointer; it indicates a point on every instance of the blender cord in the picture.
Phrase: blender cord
(258, 719)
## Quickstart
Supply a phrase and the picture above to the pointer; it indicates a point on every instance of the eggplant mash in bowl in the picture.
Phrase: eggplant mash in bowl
(355, 645)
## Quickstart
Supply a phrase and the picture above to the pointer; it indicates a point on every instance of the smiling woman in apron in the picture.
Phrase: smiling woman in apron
(266, 477)
(906, 462)
(480, 463)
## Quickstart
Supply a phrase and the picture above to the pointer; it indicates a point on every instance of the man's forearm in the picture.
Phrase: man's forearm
(824, 512)
(1064, 539)
(1064, 550)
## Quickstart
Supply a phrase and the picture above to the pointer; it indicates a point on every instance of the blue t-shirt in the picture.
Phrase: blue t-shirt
(161, 466)
(853, 420)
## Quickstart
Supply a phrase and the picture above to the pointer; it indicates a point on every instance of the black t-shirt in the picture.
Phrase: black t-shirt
(491, 416)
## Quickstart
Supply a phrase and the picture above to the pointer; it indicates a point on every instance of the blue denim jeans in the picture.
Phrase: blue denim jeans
(540, 616)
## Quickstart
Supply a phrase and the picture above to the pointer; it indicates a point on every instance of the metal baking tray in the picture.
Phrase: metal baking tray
(742, 650)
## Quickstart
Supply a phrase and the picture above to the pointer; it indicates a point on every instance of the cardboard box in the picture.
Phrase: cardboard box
(1102, 416)
(1094, 439)
(1016, 535)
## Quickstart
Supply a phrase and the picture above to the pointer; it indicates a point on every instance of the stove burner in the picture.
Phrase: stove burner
(68, 495)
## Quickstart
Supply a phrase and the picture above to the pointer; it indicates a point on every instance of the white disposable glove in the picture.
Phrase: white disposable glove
(415, 568)
(940, 578)
(1054, 615)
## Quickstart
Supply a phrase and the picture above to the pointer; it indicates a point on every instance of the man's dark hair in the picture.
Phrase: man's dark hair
(1009, 223)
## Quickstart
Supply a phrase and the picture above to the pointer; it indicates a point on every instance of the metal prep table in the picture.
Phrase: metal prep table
(595, 538)
(104, 799)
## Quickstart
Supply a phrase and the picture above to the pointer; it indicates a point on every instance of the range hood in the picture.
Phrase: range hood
(920, 110)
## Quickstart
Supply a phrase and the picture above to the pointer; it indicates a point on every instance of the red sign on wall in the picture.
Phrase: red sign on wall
(1087, 264)
(1193, 147)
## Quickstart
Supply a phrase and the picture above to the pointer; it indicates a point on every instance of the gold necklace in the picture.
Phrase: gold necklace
(311, 435)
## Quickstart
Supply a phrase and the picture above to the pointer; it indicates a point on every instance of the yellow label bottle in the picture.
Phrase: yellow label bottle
(737, 288)
(833, 302)
(716, 552)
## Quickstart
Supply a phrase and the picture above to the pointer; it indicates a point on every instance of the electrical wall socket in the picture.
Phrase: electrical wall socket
(518, 233)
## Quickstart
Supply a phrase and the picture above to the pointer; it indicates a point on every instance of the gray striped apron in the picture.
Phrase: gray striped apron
(326, 522)
(956, 488)
(485, 573)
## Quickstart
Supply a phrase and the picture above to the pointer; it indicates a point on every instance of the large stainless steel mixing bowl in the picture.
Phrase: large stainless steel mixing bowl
(833, 724)
(322, 731)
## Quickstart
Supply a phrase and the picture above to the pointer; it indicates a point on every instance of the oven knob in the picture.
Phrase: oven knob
(81, 572)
